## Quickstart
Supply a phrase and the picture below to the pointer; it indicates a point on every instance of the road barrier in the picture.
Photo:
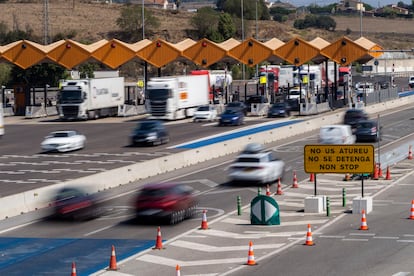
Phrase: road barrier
(40, 198)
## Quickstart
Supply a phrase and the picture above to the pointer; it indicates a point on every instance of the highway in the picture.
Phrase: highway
(221, 249)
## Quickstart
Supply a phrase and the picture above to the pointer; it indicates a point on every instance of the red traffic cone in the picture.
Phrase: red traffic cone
(412, 210)
(268, 190)
(73, 269)
(250, 255)
(309, 240)
(295, 181)
(364, 225)
(380, 175)
(312, 177)
(410, 153)
(375, 176)
(177, 269)
(158, 241)
(279, 188)
(204, 225)
(388, 174)
(112, 261)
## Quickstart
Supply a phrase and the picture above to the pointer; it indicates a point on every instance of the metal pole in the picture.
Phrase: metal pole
(360, 18)
(362, 186)
(3, 98)
(257, 33)
(143, 20)
(242, 25)
(314, 184)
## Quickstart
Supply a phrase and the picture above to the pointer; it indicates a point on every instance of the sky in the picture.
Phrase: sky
(373, 3)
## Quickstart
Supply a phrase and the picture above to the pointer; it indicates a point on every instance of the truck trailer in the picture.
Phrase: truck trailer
(85, 99)
(176, 97)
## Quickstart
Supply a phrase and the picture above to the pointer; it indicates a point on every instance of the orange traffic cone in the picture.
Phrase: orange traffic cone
(309, 240)
(158, 241)
(177, 269)
(204, 225)
(279, 188)
(268, 190)
(364, 225)
(375, 176)
(295, 181)
(412, 210)
(112, 261)
(410, 153)
(312, 177)
(250, 256)
(73, 269)
(388, 174)
(380, 171)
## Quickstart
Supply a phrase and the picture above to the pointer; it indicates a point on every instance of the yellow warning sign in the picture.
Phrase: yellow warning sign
(339, 158)
(140, 83)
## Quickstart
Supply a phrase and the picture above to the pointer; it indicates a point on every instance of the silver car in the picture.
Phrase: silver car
(63, 141)
(256, 165)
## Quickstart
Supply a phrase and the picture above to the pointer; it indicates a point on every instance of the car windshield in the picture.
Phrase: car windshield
(248, 160)
(234, 104)
(60, 134)
(203, 108)
(147, 126)
(294, 92)
(366, 125)
(278, 105)
(230, 111)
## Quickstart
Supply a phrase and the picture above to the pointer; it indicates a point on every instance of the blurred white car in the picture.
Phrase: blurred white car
(63, 141)
(256, 165)
(205, 113)
(336, 134)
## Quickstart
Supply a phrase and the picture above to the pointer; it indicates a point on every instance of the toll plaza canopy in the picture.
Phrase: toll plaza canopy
(114, 53)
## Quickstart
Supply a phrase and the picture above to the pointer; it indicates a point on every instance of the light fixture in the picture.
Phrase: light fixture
(296, 42)
(343, 42)
(24, 46)
(296, 61)
(68, 46)
(250, 61)
(113, 45)
(250, 43)
(204, 44)
(158, 44)
(204, 61)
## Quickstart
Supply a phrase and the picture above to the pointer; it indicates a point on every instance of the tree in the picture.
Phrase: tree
(130, 22)
(205, 21)
(226, 26)
(5, 73)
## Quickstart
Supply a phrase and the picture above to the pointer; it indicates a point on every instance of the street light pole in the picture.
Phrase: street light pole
(143, 20)
(360, 18)
(242, 25)
(257, 33)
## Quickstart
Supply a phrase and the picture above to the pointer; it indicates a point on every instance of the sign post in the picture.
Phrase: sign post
(354, 159)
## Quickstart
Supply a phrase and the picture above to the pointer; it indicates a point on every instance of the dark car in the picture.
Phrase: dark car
(151, 132)
(231, 117)
(237, 106)
(169, 202)
(368, 131)
(76, 204)
(353, 116)
(279, 110)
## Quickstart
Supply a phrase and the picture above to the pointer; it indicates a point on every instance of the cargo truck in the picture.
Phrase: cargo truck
(86, 99)
(176, 97)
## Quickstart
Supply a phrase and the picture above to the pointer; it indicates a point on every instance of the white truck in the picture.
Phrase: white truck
(85, 99)
(176, 97)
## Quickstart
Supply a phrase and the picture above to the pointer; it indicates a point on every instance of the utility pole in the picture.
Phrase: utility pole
(46, 22)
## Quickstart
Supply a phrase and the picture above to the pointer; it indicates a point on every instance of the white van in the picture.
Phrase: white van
(336, 134)
(295, 92)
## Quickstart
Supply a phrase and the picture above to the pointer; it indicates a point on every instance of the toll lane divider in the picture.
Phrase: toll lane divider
(40, 198)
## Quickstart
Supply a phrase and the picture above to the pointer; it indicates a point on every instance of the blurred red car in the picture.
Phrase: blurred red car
(169, 202)
(76, 204)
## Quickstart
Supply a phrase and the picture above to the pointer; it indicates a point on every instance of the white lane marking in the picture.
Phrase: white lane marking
(332, 237)
(98, 230)
(386, 238)
(362, 234)
(408, 235)
(405, 240)
(173, 262)
(210, 248)
(287, 223)
(401, 274)
(355, 240)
